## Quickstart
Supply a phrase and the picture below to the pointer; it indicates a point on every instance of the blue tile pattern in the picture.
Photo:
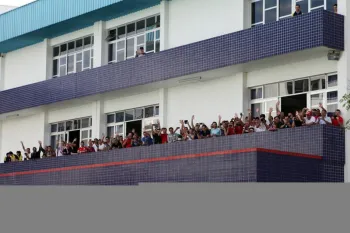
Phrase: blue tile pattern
(235, 167)
(319, 28)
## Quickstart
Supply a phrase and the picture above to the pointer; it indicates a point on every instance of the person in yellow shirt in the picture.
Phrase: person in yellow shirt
(18, 156)
(9, 157)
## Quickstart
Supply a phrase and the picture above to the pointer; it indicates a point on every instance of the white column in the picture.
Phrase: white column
(100, 45)
(2, 72)
(163, 107)
(344, 79)
(164, 22)
(241, 91)
(47, 129)
(98, 119)
(48, 59)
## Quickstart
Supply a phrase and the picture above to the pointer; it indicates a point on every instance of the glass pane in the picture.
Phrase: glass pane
(120, 55)
(60, 127)
(158, 21)
(157, 35)
(129, 115)
(157, 46)
(316, 99)
(112, 35)
(286, 88)
(110, 118)
(271, 90)
(85, 134)
(268, 105)
(139, 113)
(270, 15)
(150, 42)
(333, 80)
(85, 123)
(87, 41)
(119, 117)
(110, 131)
(56, 51)
(70, 63)
(285, 7)
(76, 124)
(131, 29)
(55, 67)
(63, 61)
(316, 3)
(63, 70)
(157, 111)
(90, 133)
(119, 129)
(151, 23)
(63, 49)
(332, 107)
(141, 39)
(79, 44)
(71, 46)
(79, 66)
(53, 142)
(79, 57)
(130, 46)
(111, 52)
(270, 3)
(53, 128)
(255, 107)
(120, 44)
(304, 6)
(330, 4)
(149, 112)
(301, 86)
(257, 12)
(69, 125)
(256, 93)
(86, 63)
(140, 26)
(318, 83)
(121, 32)
(332, 97)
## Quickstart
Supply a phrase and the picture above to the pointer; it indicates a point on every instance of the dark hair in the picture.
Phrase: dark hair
(335, 5)
(171, 128)
(297, 5)
(141, 48)
(18, 152)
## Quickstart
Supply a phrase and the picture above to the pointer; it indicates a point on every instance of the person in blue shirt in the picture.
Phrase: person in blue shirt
(147, 140)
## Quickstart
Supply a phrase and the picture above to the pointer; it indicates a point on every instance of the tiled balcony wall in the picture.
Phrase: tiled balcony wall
(285, 157)
(316, 29)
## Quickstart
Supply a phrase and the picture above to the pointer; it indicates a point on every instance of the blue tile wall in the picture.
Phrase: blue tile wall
(319, 28)
(235, 167)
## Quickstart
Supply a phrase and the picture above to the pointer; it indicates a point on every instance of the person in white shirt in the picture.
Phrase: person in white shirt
(309, 119)
(324, 119)
(259, 125)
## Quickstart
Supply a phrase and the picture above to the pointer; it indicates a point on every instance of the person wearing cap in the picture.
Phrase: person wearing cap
(309, 119)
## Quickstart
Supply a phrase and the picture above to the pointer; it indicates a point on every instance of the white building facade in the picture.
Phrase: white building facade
(77, 77)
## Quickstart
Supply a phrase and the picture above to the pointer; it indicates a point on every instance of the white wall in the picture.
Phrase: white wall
(25, 66)
(272, 73)
(63, 111)
(206, 100)
(28, 129)
(195, 20)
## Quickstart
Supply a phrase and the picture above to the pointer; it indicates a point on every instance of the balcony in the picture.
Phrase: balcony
(313, 30)
(304, 154)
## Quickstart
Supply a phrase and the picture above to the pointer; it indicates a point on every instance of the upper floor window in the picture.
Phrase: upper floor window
(125, 40)
(266, 11)
(74, 56)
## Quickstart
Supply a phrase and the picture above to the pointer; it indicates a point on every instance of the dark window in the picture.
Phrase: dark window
(129, 115)
(138, 113)
(131, 29)
(316, 3)
(121, 32)
(157, 46)
(54, 128)
(270, 3)
(63, 48)
(151, 23)
(149, 112)
(110, 118)
(301, 86)
(56, 51)
(111, 52)
(158, 21)
(140, 26)
(332, 80)
(119, 117)
(79, 43)
(71, 46)
(150, 42)
(257, 12)
(130, 43)
(285, 7)
(87, 41)
(332, 97)
(112, 35)
(55, 67)
(256, 93)
(270, 15)
(304, 6)
(330, 4)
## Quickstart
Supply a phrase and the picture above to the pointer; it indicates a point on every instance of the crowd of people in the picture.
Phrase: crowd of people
(187, 131)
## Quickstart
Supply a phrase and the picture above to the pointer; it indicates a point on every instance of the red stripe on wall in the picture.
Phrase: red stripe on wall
(168, 158)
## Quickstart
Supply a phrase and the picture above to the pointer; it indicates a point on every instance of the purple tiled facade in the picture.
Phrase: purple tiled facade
(316, 29)
(240, 166)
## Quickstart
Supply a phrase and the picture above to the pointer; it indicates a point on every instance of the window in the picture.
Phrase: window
(74, 56)
(330, 4)
(301, 86)
(271, 90)
(256, 109)
(333, 80)
(316, 99)
(127, 39)
(286, 88)
(285, 8)
(316, 4)
(317, 83)
(304, 5)
(256, 93)
(257, 12)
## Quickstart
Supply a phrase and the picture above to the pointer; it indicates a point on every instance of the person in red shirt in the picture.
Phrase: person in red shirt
(164, 136)
(82, 149)
(90, 148)
(337, 120)
(231, 129)
(127, 143)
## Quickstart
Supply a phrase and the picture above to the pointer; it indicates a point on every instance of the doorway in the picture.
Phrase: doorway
(74, 134)
(291, 104)
(137, 125)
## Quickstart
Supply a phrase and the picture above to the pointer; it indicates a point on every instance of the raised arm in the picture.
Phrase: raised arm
(192, 119)
(250, 116)
(23, 146)
(219, 121)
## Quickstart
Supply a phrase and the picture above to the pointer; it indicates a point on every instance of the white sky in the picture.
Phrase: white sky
(15, 2)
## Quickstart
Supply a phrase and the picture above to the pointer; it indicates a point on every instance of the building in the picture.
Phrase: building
(75, 75)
